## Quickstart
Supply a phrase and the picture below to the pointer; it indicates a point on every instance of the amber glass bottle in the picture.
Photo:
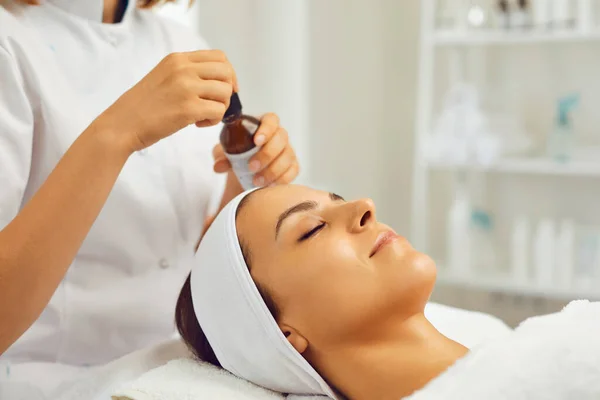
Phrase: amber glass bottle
(237, 139)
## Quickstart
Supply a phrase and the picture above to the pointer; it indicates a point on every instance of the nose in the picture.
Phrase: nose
(363, 215)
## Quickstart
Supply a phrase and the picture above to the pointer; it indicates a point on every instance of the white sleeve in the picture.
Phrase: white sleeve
(16, 138)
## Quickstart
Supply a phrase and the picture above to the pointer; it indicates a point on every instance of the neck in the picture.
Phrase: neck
(113, 11)
(392, 366)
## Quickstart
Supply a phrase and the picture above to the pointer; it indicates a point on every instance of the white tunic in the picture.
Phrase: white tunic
(60, 67)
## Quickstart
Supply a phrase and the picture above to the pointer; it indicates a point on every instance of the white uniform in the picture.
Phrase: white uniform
(60, 67)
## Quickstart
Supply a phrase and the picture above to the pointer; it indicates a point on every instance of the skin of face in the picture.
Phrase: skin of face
(319, 267)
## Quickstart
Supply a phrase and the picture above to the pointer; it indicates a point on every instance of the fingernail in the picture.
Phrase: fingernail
(254, 166)
(259, 181)
(260, 139)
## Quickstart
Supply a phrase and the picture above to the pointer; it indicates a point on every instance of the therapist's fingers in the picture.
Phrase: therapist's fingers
(31, 2)
(221, 163)
(217, 71)
(173, 95)
(276, 168)
(269, 151)
(212, 90)
(269, 124)
(218, 56)
(207, 112)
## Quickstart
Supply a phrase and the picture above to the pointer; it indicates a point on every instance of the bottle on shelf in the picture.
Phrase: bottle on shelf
(481, 227)
(562, 14)
(565, 254)
(446, 17)
(587, 257)
(522, 16)
(458, 244)
(503, 15)
(482, 240)
(585, 15)
(541, 15)
(544, 253)
(562, 140)
(520, 244)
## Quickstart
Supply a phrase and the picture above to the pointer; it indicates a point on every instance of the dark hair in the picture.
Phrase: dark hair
(143, 3)
(152, 3)
(185, 316)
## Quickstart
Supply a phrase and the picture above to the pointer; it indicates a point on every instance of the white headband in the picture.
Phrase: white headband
(236, 321)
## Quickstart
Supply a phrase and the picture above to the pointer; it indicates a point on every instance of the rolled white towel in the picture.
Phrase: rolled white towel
(192, 380)
(99, 383)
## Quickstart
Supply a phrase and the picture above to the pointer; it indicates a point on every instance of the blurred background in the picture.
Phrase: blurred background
(471, 123)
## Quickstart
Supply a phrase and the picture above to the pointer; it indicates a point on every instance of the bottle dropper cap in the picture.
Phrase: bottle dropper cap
(235, 108)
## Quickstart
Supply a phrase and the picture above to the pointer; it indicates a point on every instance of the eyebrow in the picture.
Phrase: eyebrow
(301, 207)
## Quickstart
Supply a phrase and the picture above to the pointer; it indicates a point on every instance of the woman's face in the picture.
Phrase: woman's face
(334, 272)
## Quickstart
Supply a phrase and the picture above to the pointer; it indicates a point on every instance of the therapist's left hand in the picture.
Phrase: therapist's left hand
(275, 162)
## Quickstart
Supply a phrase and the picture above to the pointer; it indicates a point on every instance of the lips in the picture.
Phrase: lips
(383, 239)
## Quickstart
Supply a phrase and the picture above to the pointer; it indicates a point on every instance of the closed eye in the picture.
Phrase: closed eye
(310, 233)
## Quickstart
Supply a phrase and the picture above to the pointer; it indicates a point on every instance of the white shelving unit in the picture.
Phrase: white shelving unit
(530, 166)
(453, 43)
(503, 284)
(446, 38)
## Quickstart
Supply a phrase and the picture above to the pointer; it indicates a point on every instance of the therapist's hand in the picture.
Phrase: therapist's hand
(183, 89)
(275, 162)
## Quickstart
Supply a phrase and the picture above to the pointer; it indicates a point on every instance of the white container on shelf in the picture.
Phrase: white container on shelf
(462, 8)
(565, 257)
(458, 238)
(446, 16)
(520, 15)
(503, 15)
(587, 257)
(520, 245)
(544, 253)
(585, 15)
(562, 14)
(541, 14)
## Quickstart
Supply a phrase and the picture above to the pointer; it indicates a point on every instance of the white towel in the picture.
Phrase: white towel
(549, 357)
(192, 380)
(99, 383)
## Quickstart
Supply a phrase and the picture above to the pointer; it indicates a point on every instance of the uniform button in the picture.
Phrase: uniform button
(143, 152)
(163, 263)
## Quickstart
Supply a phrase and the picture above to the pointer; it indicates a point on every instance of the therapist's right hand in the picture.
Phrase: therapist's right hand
(183, 89)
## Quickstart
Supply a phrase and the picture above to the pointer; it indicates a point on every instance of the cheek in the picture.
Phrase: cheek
(331, 293)
(329, 308)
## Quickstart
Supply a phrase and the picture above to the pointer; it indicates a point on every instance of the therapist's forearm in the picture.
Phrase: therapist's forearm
(232, 189)
(38, 246)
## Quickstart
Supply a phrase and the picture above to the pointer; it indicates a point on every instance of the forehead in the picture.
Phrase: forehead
(263, 208)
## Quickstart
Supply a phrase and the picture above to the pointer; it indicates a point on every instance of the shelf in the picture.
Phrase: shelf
(474, 38)
(538, 166)
(505, 285)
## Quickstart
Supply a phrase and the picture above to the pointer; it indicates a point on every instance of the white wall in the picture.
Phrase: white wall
(267, 42)
(342, 75)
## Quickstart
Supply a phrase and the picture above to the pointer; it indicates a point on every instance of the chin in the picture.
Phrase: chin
(426, 267)
(411, 282)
